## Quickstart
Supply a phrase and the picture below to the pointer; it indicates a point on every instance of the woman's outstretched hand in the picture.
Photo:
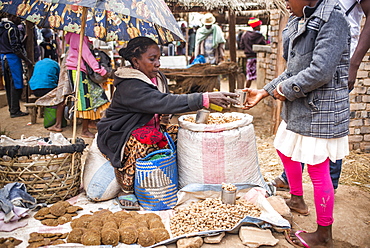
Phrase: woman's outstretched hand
(253, 97)
(222, 99)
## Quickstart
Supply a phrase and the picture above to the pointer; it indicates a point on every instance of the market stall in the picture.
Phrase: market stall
(199, 77)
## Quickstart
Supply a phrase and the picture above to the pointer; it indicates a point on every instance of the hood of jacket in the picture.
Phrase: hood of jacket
(128, 73)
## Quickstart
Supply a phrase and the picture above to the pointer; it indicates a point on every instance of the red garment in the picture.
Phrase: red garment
(150, 135)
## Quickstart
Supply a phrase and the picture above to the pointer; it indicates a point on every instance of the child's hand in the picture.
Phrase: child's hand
(253, 97)
(278, 94)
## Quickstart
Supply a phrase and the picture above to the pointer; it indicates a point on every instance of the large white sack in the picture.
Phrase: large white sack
(99, 180)
(213, 154)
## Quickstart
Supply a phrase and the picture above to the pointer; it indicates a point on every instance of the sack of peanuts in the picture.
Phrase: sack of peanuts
(223, 150)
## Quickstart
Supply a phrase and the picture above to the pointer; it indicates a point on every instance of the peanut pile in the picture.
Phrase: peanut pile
(211, 214)
(212, 119)
(228, 187)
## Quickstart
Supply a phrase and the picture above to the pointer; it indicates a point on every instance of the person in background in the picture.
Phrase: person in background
(92, 99)
(239, 38)
(181, 47)
(314, 91)
(248, 39)
(12, 53)
(210, 41)
(48, 45)
(1, 78)
(131, 127)
(191, 43)
(58, 96)
(355, 10)
(45, 77)
(24, 39)
(359, 39)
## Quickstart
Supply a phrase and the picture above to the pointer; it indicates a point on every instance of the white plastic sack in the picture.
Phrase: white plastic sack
(218, 153)
(99, 180)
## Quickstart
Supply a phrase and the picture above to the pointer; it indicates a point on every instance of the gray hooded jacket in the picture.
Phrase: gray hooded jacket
(315, 82)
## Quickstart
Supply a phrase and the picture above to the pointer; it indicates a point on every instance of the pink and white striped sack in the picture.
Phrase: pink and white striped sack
(218, 153)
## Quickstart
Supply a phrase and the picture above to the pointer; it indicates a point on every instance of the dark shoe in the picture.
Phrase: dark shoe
(280, 184)
(18, 114)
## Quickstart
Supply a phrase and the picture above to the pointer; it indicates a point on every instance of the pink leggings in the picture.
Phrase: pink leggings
(322, 185)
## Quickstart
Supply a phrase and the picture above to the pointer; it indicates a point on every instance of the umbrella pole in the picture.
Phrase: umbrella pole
(78, 72)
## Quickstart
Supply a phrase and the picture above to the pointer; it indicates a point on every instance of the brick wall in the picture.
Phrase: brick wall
(359, 138)
(359, 126)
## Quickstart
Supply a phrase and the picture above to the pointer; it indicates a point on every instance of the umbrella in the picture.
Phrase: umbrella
(107, 20)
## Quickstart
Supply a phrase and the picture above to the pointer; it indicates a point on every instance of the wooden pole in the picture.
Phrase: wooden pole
(30, 49)
(78, 72)
(187, 39)
(280, 67)
(63, 42)
(232, 47)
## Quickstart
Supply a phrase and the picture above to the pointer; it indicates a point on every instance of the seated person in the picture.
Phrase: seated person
(131, 127)
(45, 77)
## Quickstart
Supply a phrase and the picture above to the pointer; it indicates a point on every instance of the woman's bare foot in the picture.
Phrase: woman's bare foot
(54, 129)
(322, 237)
(92, 124)
(297, 204)
(87, 134)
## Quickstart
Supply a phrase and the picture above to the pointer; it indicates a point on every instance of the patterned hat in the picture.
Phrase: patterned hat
(254, 22)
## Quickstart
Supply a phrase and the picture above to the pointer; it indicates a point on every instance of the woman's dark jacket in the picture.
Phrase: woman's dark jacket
(135, 101)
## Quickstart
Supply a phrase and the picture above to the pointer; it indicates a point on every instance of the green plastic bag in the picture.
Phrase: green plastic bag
(50, 114)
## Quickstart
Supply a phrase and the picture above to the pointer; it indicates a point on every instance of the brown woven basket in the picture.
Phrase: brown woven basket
(48, 177)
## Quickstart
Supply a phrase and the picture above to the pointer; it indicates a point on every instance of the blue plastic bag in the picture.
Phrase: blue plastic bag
(198, 60)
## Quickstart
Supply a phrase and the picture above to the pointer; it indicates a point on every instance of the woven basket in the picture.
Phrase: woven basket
(47, 171)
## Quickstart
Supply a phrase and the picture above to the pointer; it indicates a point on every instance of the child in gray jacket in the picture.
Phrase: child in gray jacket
(314, 91)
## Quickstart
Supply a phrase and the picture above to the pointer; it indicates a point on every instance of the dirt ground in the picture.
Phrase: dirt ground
(352, 204)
